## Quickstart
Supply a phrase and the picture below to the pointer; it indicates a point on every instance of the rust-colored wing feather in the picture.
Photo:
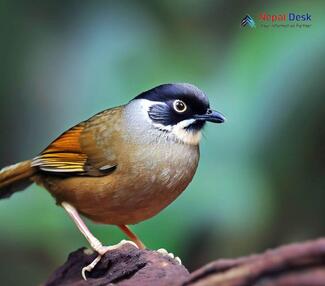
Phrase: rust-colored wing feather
(64, 154)
(80, 150)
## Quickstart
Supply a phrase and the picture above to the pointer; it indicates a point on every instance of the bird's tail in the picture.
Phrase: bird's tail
(15, 178)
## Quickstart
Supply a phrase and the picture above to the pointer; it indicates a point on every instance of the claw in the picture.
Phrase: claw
(178, 260)
(90, 267)
(101, 250)
(169, 254)
(95, 244)
(163, 251)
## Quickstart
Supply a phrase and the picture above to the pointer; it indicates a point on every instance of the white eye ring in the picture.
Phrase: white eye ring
(179, 106)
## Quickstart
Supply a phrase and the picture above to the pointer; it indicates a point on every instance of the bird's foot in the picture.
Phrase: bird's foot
(90, 267)
(101, 250)
(169, 254)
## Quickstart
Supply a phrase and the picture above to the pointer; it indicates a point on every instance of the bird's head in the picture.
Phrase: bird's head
(180, 109)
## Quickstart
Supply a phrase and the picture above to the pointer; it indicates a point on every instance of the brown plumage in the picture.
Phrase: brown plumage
(15, 178)
(123, 165)
(89, 167)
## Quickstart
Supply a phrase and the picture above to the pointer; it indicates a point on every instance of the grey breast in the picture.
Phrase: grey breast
(169, 161)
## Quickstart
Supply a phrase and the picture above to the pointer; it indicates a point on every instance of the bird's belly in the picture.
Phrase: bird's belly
(131, 204)
(128, 195)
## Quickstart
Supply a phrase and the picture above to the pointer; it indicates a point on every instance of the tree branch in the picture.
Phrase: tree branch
(299, 264)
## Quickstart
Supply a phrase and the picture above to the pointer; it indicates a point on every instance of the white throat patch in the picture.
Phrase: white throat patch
(186, 136)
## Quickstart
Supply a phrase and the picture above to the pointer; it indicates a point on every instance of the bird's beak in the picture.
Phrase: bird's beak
(212, 116)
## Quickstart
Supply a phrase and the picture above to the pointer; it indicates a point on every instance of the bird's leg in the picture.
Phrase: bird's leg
(93, 241)
(132, 236)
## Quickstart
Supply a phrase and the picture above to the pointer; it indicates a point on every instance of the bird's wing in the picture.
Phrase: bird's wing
(80, 150)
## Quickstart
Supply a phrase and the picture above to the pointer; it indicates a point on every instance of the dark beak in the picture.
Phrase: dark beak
(212, 116)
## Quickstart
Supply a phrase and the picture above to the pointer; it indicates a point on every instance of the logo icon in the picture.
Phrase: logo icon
(247, 21)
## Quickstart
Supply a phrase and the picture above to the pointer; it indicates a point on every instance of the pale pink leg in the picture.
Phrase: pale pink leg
(93, 241)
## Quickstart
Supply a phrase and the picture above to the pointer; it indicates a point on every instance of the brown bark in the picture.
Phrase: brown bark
(125, 266)
(299, 264)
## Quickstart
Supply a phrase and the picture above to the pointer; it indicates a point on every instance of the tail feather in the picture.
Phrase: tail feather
(15, 178)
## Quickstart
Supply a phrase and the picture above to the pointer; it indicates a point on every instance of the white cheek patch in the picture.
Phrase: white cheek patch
(189, 137)
(183, 135)
(186, 136)
(184, 123)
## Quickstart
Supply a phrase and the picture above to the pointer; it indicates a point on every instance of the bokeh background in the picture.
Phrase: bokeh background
(261, 179)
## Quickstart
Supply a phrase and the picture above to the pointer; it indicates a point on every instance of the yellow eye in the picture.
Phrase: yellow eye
(179, 105)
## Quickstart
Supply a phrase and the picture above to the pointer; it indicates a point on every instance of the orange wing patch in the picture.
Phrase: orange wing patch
(67, 142)
(64, 154)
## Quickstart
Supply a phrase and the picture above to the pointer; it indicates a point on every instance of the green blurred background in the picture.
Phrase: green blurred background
(261, 179)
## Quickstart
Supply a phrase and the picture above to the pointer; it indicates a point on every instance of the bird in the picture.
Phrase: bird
(123, 165)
